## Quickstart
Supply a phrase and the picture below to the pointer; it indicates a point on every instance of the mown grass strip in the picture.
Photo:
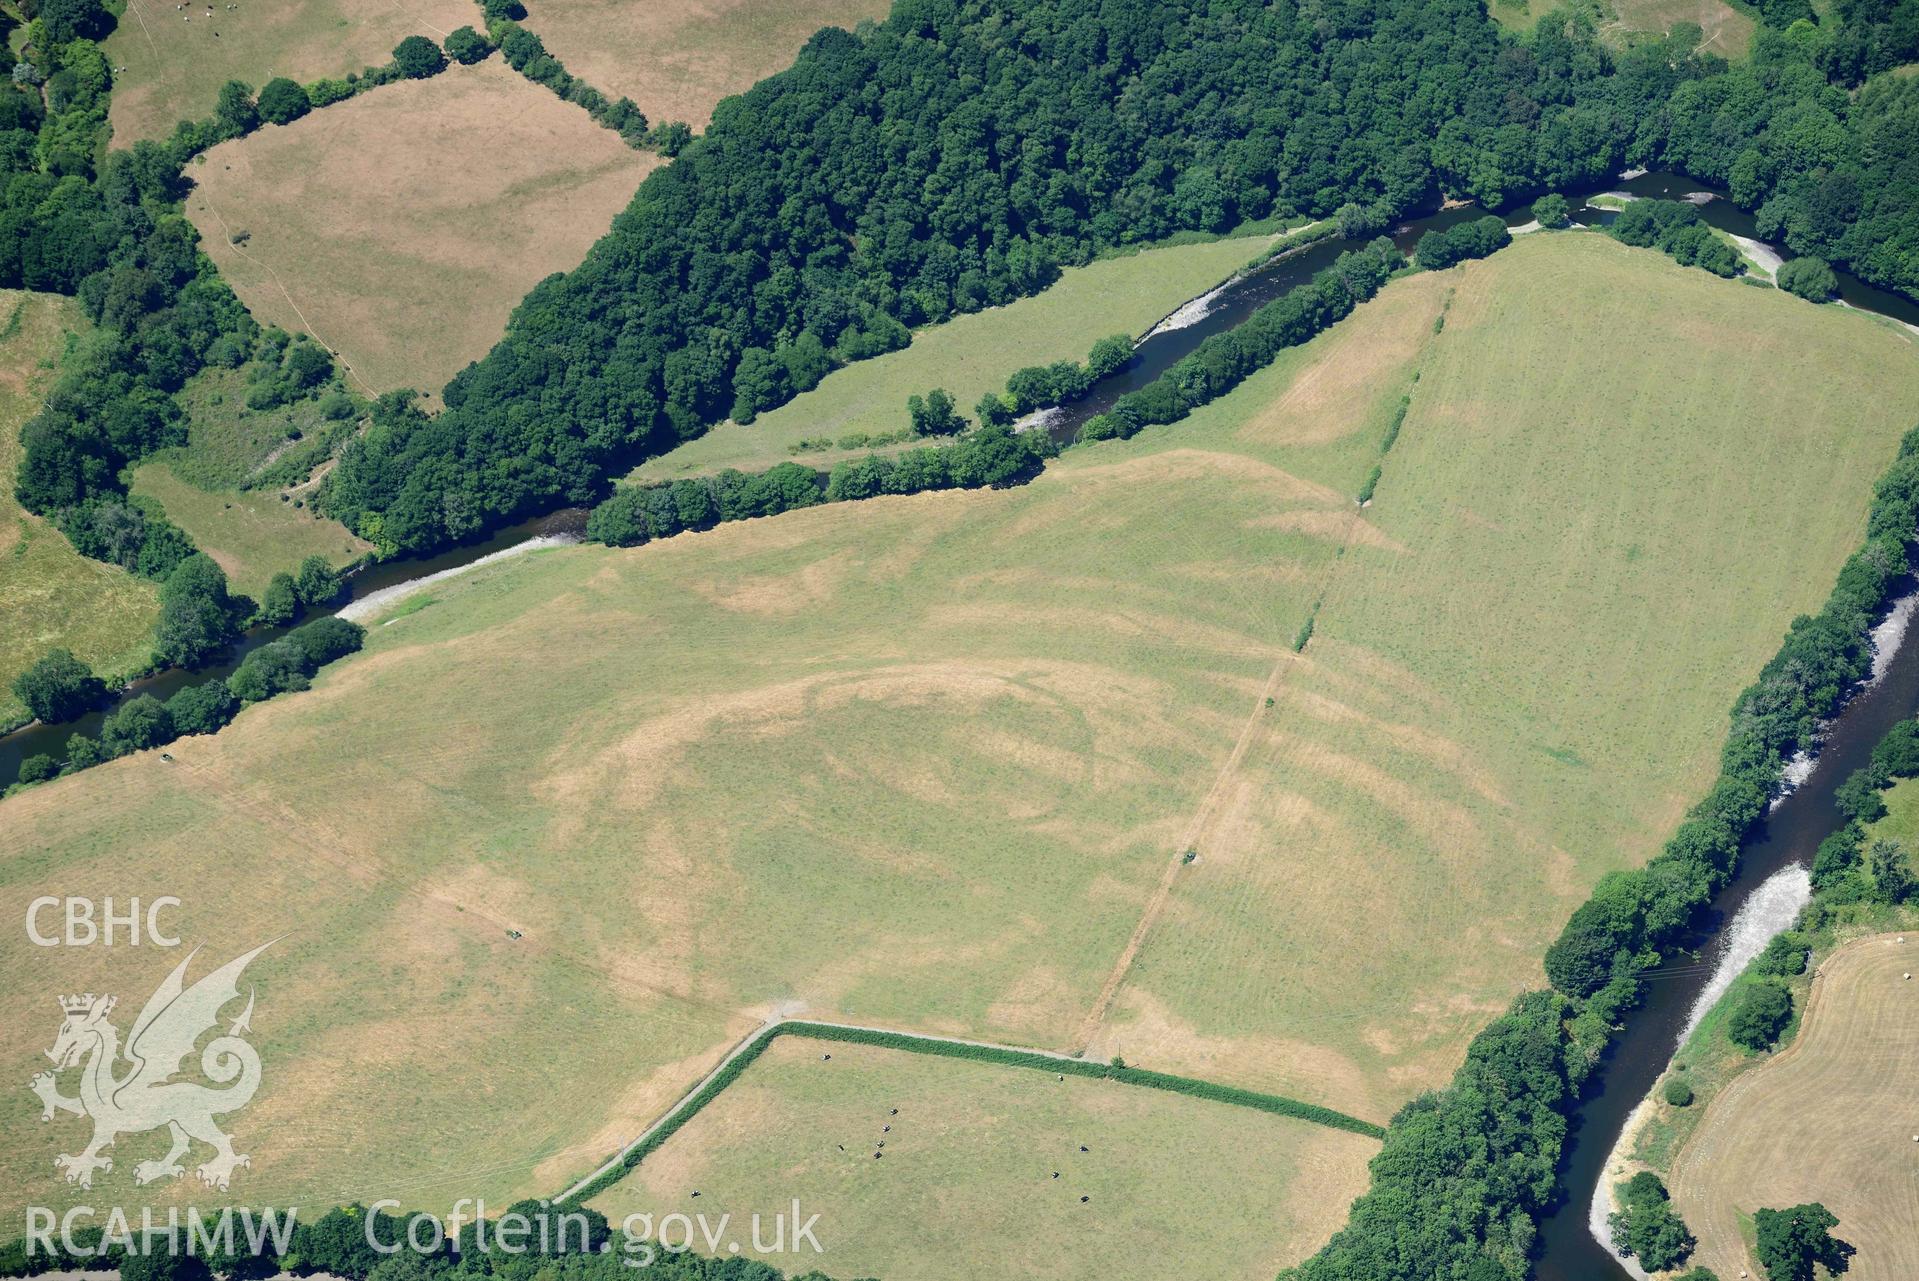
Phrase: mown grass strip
(691, 1106)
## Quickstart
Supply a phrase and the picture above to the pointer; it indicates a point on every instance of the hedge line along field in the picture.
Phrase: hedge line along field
(170, 62)
(253, 535)
(1173, 1184)
(679, 58)
(401, 227)
(1829, 1118)
(50, 594)
(925, 762)
(969, 356)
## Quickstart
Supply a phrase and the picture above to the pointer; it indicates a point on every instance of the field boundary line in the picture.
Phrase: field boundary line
(743, 1054)
(1276, 679)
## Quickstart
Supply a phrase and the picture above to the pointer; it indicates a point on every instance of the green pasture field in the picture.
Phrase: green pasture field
(1174, 1184)
(50, 595)
(1609, 458)
(969, 356)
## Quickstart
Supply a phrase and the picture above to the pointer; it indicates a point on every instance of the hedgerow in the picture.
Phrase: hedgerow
(1004, 1056)
(1465, 1171)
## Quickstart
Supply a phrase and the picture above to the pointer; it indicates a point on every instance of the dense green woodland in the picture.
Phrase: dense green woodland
(960, 154)
(954, 157)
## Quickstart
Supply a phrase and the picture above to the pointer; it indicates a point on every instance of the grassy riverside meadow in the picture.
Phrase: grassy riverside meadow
(49, 593)
(970, 1155)
(787, 733)
(253, 535)
(969, 356)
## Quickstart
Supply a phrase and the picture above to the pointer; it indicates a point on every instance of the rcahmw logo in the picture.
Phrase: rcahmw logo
(191, 1233)
(130, 1089)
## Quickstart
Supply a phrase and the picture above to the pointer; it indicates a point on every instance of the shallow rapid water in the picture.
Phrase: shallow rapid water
(1759, 902)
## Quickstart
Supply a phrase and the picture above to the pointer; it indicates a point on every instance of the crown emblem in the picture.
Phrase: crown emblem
(78, 1004)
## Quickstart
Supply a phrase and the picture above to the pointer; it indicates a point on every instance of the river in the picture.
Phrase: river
(363, 582)
(1639, 1055)
(1218, 310)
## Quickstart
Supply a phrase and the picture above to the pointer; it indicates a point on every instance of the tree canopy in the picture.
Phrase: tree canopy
(59, 687)
(1791, 1241)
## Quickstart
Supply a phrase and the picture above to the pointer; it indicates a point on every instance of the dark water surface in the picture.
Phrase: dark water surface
(1640, 1054)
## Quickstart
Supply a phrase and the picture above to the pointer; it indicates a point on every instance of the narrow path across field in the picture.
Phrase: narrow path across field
(1190, 836)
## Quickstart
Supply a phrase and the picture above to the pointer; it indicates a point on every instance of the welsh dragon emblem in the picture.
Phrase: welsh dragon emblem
(140, 1095)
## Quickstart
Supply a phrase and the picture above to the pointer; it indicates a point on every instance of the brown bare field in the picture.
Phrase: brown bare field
(930, 762)
(170, 63)
(1175, 1185)
(401, 227)
(678, 58)
(1831, 1118)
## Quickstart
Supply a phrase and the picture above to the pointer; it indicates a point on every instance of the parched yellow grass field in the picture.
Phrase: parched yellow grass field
(50, 594)
(678, 58)
(401, 227)
(970, 1157)
(930, 762)
(1831, 1119)
(170, 62)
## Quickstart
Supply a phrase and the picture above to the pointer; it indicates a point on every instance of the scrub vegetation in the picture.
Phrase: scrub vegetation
(50, 595)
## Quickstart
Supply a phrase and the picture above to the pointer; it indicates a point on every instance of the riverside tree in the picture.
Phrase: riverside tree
(1810, 278)
(1645, 1227)
(59, 687)
(1759, 1015)
(318, 583)
(196, 614)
